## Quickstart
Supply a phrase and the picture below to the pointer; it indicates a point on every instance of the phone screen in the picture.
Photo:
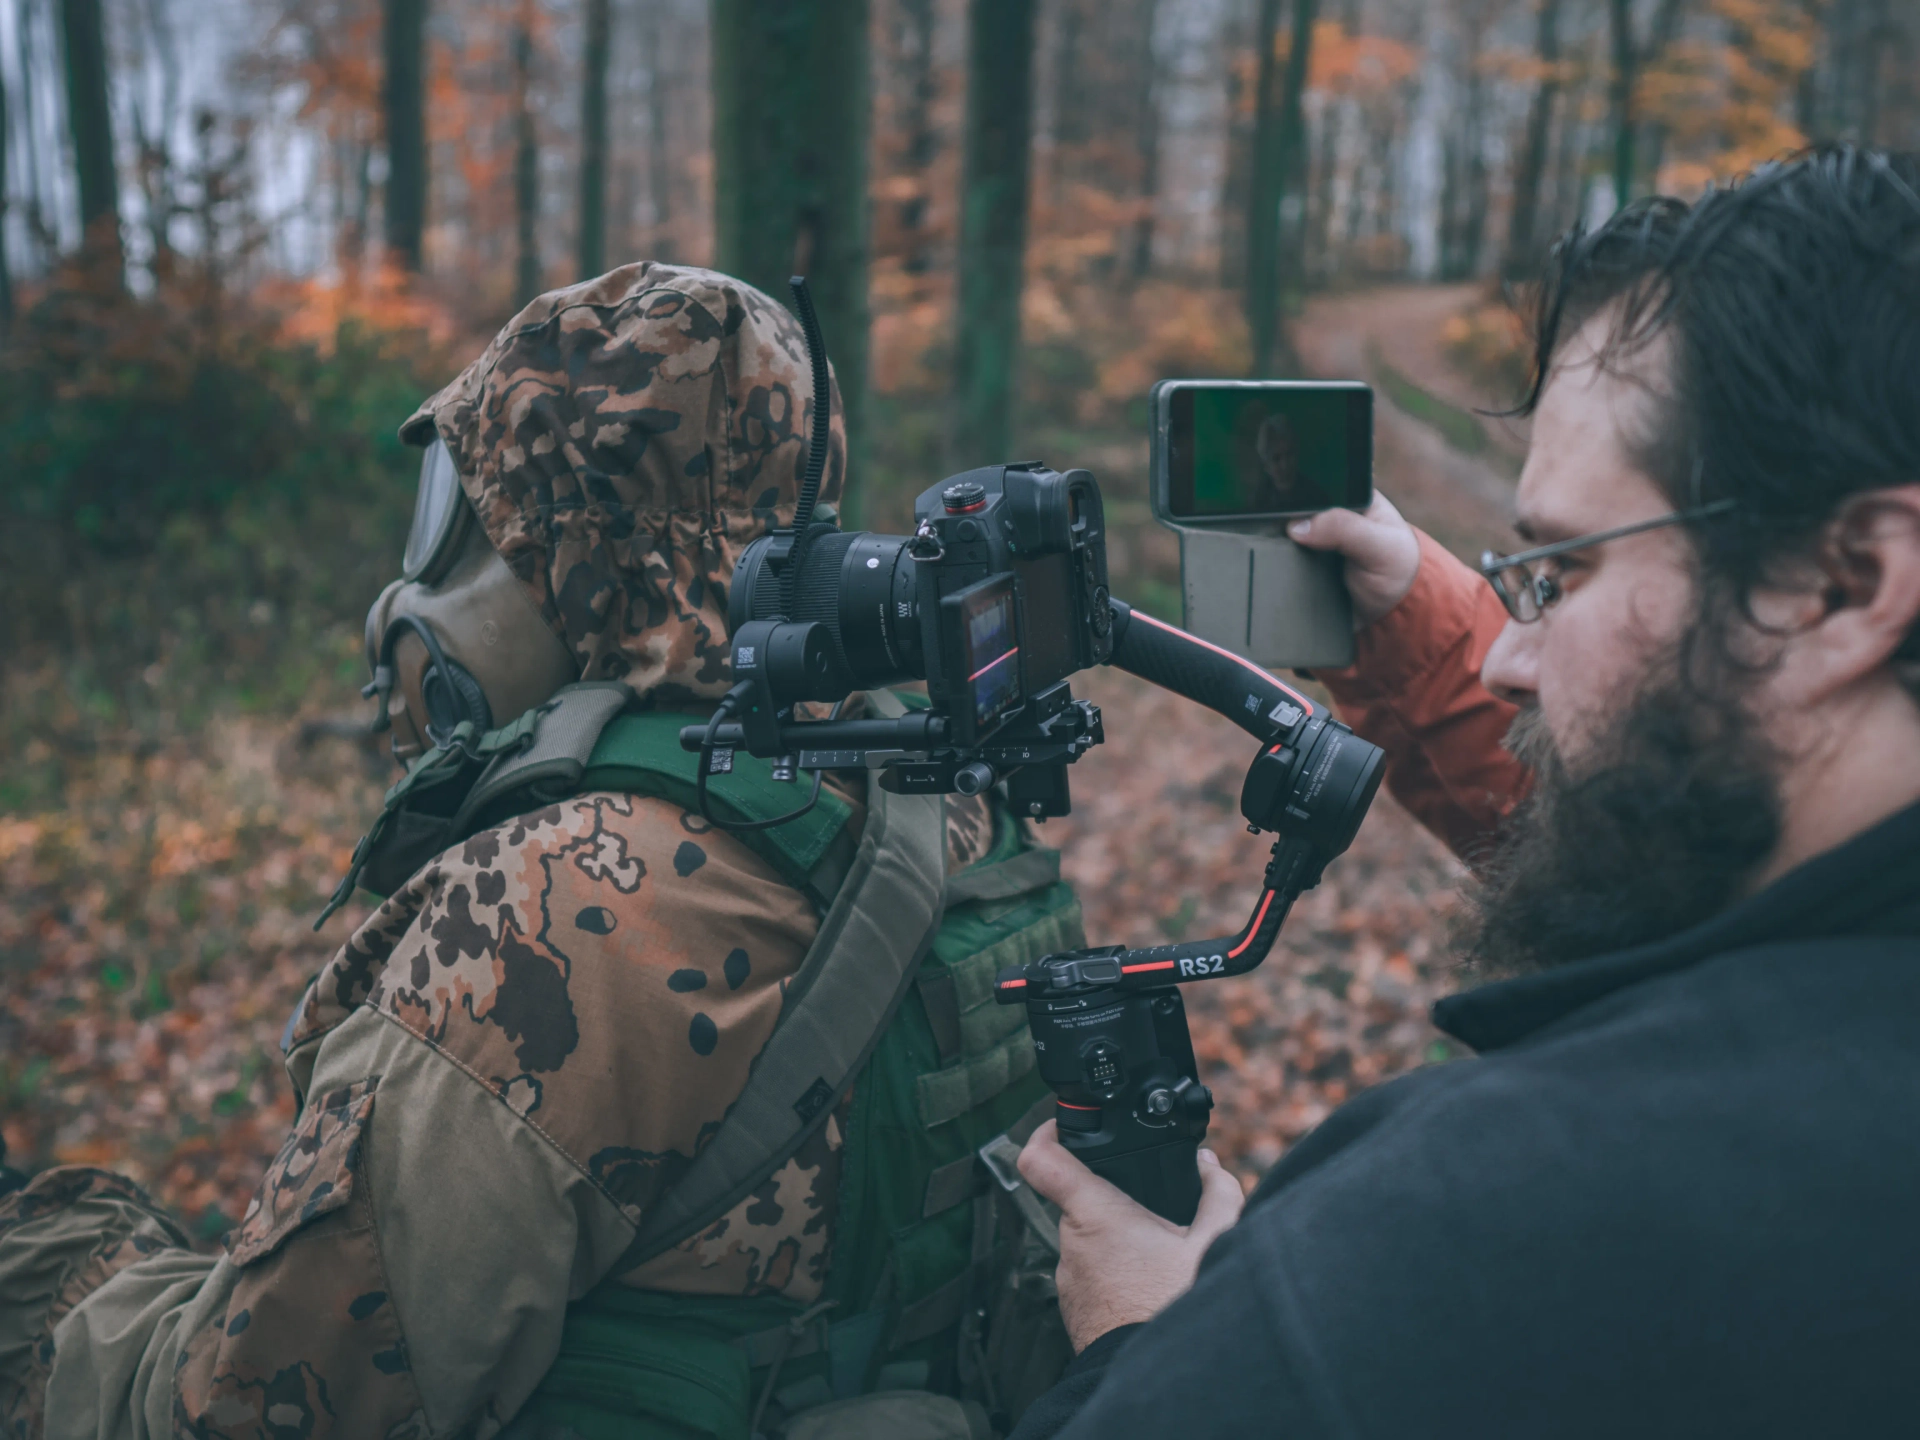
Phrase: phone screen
(1247, 451)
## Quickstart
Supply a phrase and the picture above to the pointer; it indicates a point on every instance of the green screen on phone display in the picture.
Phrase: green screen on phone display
(1275, 449)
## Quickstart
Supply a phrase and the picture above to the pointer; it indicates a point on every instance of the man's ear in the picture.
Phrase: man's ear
(1869, 565)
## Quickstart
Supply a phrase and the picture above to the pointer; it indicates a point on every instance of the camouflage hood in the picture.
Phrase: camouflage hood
(623, 440)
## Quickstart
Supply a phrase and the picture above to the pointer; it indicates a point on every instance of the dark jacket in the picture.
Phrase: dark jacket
(1677, 1193)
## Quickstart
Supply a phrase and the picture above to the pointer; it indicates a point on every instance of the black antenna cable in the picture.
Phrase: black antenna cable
(822, 434)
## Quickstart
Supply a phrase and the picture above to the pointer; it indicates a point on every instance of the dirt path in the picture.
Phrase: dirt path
(1465, 501)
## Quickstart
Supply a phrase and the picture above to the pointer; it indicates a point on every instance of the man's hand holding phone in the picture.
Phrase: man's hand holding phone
(1380, 548)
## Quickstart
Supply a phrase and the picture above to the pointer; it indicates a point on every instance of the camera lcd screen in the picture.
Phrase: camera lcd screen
(991, 636)
(1255, 451)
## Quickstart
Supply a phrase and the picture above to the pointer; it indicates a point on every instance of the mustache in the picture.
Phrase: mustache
(1530, 742)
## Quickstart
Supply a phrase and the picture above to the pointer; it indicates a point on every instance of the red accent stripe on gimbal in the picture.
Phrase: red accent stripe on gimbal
(1253, 927)
(1240, 660)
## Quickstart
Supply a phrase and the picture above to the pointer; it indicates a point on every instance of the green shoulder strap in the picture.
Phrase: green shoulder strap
(585, 739)
(860, 964)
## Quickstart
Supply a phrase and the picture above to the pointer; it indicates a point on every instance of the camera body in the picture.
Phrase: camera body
(998, 596)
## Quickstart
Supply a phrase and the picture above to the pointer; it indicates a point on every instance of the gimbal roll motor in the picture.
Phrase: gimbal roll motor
(996, 599)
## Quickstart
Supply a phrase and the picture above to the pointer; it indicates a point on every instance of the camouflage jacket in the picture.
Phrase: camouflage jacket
(501, 1069)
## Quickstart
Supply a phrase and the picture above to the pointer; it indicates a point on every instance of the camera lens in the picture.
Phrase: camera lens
(859, 585)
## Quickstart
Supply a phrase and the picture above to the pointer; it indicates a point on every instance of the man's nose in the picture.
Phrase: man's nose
(1511, 669)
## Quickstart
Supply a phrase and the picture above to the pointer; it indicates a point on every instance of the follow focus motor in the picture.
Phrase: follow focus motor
(995, 600)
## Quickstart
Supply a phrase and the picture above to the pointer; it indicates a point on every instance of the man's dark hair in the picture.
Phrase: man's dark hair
(1792, 302)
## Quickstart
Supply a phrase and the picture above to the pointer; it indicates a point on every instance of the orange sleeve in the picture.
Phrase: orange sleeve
(1414, 690)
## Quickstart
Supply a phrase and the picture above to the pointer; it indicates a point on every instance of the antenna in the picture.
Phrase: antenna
(822, 434)
(822, 404)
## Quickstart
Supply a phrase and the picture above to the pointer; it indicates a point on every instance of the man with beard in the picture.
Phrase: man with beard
(1674, 1192)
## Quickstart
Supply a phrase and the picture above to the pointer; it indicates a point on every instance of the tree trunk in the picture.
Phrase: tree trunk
(1520, 260)
(1146, 138)
(993, 227)
(1237, 175)
(1068, 94)
(406, 115)
(593, 139)
(1263, 194)
(1295, 153)
(1278, 147)
(922, 141)
(526, 164)
(1620, 97)
(6, 275)
(659, 153)
(791, 109)
(90, 120)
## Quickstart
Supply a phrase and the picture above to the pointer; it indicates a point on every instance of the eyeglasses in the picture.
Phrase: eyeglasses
(1527, 593)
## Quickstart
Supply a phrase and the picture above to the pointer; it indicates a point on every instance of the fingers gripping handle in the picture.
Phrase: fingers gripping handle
(1204, 673)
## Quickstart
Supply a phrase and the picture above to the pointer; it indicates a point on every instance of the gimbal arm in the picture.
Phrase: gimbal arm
(1206, 674)
(1279, 717)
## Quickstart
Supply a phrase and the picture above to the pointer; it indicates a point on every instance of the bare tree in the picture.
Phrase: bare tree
(1519, 259)
(993, 226)
(406, 116)
(791, 101)
(526, 162)
(1630, 57)
(660, 155)
(90, 122)
(923, 88)
(595, 49)
(6, 273)
(1279, 147)
(1146, 138)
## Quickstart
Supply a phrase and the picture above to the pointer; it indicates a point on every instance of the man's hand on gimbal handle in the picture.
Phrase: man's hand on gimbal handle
(1119, 1262)
(1381, 550)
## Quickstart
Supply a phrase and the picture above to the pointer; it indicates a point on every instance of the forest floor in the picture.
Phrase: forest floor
(154, 923)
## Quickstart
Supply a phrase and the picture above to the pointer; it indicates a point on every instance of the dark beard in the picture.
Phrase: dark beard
(1655, 829)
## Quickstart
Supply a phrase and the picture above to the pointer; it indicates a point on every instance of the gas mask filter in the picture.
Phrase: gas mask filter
(455, 638)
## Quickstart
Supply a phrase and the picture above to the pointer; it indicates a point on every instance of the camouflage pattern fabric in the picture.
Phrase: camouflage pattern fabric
(623, 440)
(62, 1237)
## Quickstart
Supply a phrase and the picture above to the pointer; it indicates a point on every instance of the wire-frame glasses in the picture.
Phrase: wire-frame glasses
(1527, 592)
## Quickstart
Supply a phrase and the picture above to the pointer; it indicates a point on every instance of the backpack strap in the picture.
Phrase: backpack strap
(859, 966)
(548, 763)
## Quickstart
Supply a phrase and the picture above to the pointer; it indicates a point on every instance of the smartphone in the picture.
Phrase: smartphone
(1230, 450)
(1232, 461)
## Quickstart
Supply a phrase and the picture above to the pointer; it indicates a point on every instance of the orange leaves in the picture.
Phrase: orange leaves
(1726, 93)
(1365, 65)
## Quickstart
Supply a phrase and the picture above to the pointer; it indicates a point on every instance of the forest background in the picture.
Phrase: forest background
(239, 240)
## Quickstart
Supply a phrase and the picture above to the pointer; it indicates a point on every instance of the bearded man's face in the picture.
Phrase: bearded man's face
(1657, 824)
(1656, 793)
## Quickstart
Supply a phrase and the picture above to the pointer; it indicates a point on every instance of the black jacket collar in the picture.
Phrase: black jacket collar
(1870, 885)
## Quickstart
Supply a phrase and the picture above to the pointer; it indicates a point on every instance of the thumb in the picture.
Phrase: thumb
(1342, 530)
(1221, 1200)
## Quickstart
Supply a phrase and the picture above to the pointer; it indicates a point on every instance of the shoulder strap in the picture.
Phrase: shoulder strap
(553, 757)
(865, 955)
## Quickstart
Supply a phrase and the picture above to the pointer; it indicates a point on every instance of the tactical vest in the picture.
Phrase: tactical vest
(939, 1275)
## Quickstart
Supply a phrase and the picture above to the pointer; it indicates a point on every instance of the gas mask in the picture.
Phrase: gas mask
(455, 637)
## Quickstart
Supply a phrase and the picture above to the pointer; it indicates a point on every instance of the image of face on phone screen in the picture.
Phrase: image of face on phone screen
(1262, 450)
